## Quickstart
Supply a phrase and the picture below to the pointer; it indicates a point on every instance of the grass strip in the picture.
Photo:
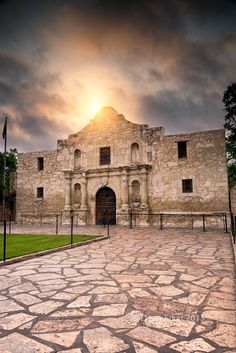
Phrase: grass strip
(23, 244)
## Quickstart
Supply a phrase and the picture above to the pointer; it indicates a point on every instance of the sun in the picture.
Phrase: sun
(95, 107)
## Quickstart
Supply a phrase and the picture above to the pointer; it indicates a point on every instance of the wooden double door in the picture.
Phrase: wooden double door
(105, 206)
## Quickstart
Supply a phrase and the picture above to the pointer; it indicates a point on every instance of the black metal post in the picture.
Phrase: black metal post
(57, 224)
(203, 223)
(10, 224)
(161, 221)
(4, 135)
(226, 224)
(4, 239)
(135, 219)
(232, 223)
(234, 233)
(130, 220)
(192, 220)
(71, 229)
(108, 226)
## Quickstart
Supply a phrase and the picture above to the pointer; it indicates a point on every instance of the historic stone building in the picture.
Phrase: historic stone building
(114, 166)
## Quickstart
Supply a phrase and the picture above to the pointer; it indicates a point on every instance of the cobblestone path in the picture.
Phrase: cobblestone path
(141, 291)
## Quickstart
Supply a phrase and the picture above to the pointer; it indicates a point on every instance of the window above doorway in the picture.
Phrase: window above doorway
(105, 155)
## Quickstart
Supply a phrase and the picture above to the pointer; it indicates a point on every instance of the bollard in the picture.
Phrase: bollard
(203, 223)
(130, 220)
(57, 224)
(226, 224)
(234, 228)
(161, 221)
(108, 227)
(4, 239)
(71, 229)
(192, 219)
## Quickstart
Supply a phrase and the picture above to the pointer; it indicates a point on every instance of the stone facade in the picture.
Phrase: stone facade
(143, 168)
(233, 199)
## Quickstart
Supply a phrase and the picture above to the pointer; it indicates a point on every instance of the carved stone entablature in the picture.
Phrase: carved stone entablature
(118, 170)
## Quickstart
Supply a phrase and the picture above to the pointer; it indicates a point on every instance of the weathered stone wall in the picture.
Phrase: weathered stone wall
(112, 130)
(29, 178)
(205, 165)
(233, 199)
(155, 166)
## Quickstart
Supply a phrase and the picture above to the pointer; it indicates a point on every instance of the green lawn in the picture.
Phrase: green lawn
(22, 244)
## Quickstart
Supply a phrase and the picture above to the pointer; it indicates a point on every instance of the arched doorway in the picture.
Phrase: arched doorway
(105, 206)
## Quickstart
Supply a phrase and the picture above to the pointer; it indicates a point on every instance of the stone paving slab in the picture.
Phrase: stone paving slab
(141, 291)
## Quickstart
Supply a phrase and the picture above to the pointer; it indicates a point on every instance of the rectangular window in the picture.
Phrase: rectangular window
(182, 149)
(40, 163)
(187, 185)
(105, 156)
(40, 193)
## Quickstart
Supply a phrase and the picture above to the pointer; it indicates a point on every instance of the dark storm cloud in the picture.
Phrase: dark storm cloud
(130, 27)
(22, 22)
(36, 132)
(156, 31)
(202, 10)
(167, 108)
(22, 88)
(172, 58)
(162, 38)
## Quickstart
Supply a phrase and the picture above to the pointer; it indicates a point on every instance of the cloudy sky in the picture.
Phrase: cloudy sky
(159, 62)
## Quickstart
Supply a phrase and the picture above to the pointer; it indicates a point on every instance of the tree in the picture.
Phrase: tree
(11, 166)
(229, 100)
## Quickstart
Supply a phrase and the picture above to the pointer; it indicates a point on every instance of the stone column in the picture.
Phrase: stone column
(125, 191)
(67, 191)
(84, 205)
(144, 187)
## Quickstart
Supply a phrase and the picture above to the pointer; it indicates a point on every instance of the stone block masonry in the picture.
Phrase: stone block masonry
(131, 166)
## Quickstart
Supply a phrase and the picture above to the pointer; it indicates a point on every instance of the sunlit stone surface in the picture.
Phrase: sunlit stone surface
(101, 340)
(150, 336)
(194, 345)
(16, 342)
(146, 299)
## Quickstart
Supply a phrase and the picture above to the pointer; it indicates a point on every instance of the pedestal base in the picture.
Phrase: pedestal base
(144, 215)
(66, 216)
(80, 217)
(123, 218)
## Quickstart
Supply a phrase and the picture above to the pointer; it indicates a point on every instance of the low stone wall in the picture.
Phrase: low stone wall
(167, 220)
(188, 220)
(32, 218)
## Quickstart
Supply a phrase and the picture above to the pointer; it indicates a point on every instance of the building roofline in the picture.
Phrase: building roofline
(195, 132)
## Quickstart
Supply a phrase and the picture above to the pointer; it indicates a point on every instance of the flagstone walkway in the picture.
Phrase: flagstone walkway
(141, 291)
